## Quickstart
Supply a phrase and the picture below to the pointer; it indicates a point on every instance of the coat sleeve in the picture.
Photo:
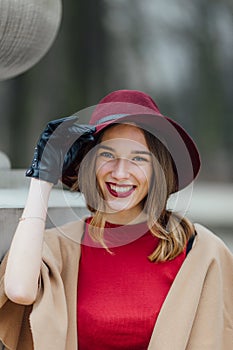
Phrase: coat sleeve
(12, 317)
(198, 311)
(25, 327)
(213, 324)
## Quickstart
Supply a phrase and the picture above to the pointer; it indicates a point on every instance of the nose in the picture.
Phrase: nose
(121, 169)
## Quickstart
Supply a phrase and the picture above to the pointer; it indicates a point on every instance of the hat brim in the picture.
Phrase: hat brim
(179, 143)
(182, 148)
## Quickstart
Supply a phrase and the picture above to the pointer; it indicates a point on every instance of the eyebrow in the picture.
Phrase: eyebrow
(132, 152)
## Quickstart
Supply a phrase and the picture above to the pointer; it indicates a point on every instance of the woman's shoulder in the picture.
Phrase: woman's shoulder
(209, 243)
(208, 235)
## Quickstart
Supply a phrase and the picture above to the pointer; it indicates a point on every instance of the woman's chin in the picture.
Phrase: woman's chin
(115, 206)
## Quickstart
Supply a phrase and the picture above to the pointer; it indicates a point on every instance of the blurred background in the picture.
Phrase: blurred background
(180, 52)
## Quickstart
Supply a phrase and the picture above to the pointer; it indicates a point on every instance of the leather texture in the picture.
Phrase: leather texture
(58, 149)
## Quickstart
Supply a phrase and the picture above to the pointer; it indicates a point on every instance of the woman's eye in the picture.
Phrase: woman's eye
(140, 159)
(106, 155)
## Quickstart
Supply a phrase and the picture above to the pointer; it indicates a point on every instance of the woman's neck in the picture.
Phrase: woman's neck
(122, 218)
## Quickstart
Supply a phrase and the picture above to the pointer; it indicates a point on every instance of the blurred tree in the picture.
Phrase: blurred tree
(211, 111)
(181, 53)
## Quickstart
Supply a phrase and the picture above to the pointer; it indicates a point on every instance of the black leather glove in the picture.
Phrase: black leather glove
(58, 148)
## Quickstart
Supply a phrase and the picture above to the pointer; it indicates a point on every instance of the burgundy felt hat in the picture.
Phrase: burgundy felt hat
(123, 106)
(137, 107)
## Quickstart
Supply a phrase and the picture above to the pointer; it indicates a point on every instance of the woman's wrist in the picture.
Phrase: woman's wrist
(37, 201)
(23, 218)
(40, 188)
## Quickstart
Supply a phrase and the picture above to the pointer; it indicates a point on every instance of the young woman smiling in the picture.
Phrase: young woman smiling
(133, 275)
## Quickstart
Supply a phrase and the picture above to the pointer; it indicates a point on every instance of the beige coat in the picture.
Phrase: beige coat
(196, 315)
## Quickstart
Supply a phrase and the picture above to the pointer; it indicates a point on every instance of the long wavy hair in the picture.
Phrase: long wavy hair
(172, 230)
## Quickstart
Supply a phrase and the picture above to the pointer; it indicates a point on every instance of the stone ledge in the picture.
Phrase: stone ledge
(16, 198)
(13, 178)
(210, 204)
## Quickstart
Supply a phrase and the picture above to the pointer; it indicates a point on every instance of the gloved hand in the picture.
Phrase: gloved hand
(58, 147)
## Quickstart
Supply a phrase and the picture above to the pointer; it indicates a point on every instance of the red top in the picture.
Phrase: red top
(120, 295)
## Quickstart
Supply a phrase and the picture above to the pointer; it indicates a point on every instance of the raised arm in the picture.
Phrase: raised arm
(24, 260)
(58, 147)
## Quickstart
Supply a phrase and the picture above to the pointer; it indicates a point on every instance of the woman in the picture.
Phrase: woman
(134, 275)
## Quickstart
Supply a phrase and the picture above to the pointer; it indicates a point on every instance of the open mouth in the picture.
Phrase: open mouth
(120, 191)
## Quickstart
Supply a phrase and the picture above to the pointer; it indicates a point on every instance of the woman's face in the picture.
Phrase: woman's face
(123, 171)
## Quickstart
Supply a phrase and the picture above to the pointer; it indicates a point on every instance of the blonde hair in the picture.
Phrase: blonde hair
(172, 230)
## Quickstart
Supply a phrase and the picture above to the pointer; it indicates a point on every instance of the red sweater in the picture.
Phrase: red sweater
(120, 295)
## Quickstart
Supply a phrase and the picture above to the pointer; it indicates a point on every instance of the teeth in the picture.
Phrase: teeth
(120, 189)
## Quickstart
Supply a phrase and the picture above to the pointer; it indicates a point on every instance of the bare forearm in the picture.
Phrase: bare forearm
(24, 261)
